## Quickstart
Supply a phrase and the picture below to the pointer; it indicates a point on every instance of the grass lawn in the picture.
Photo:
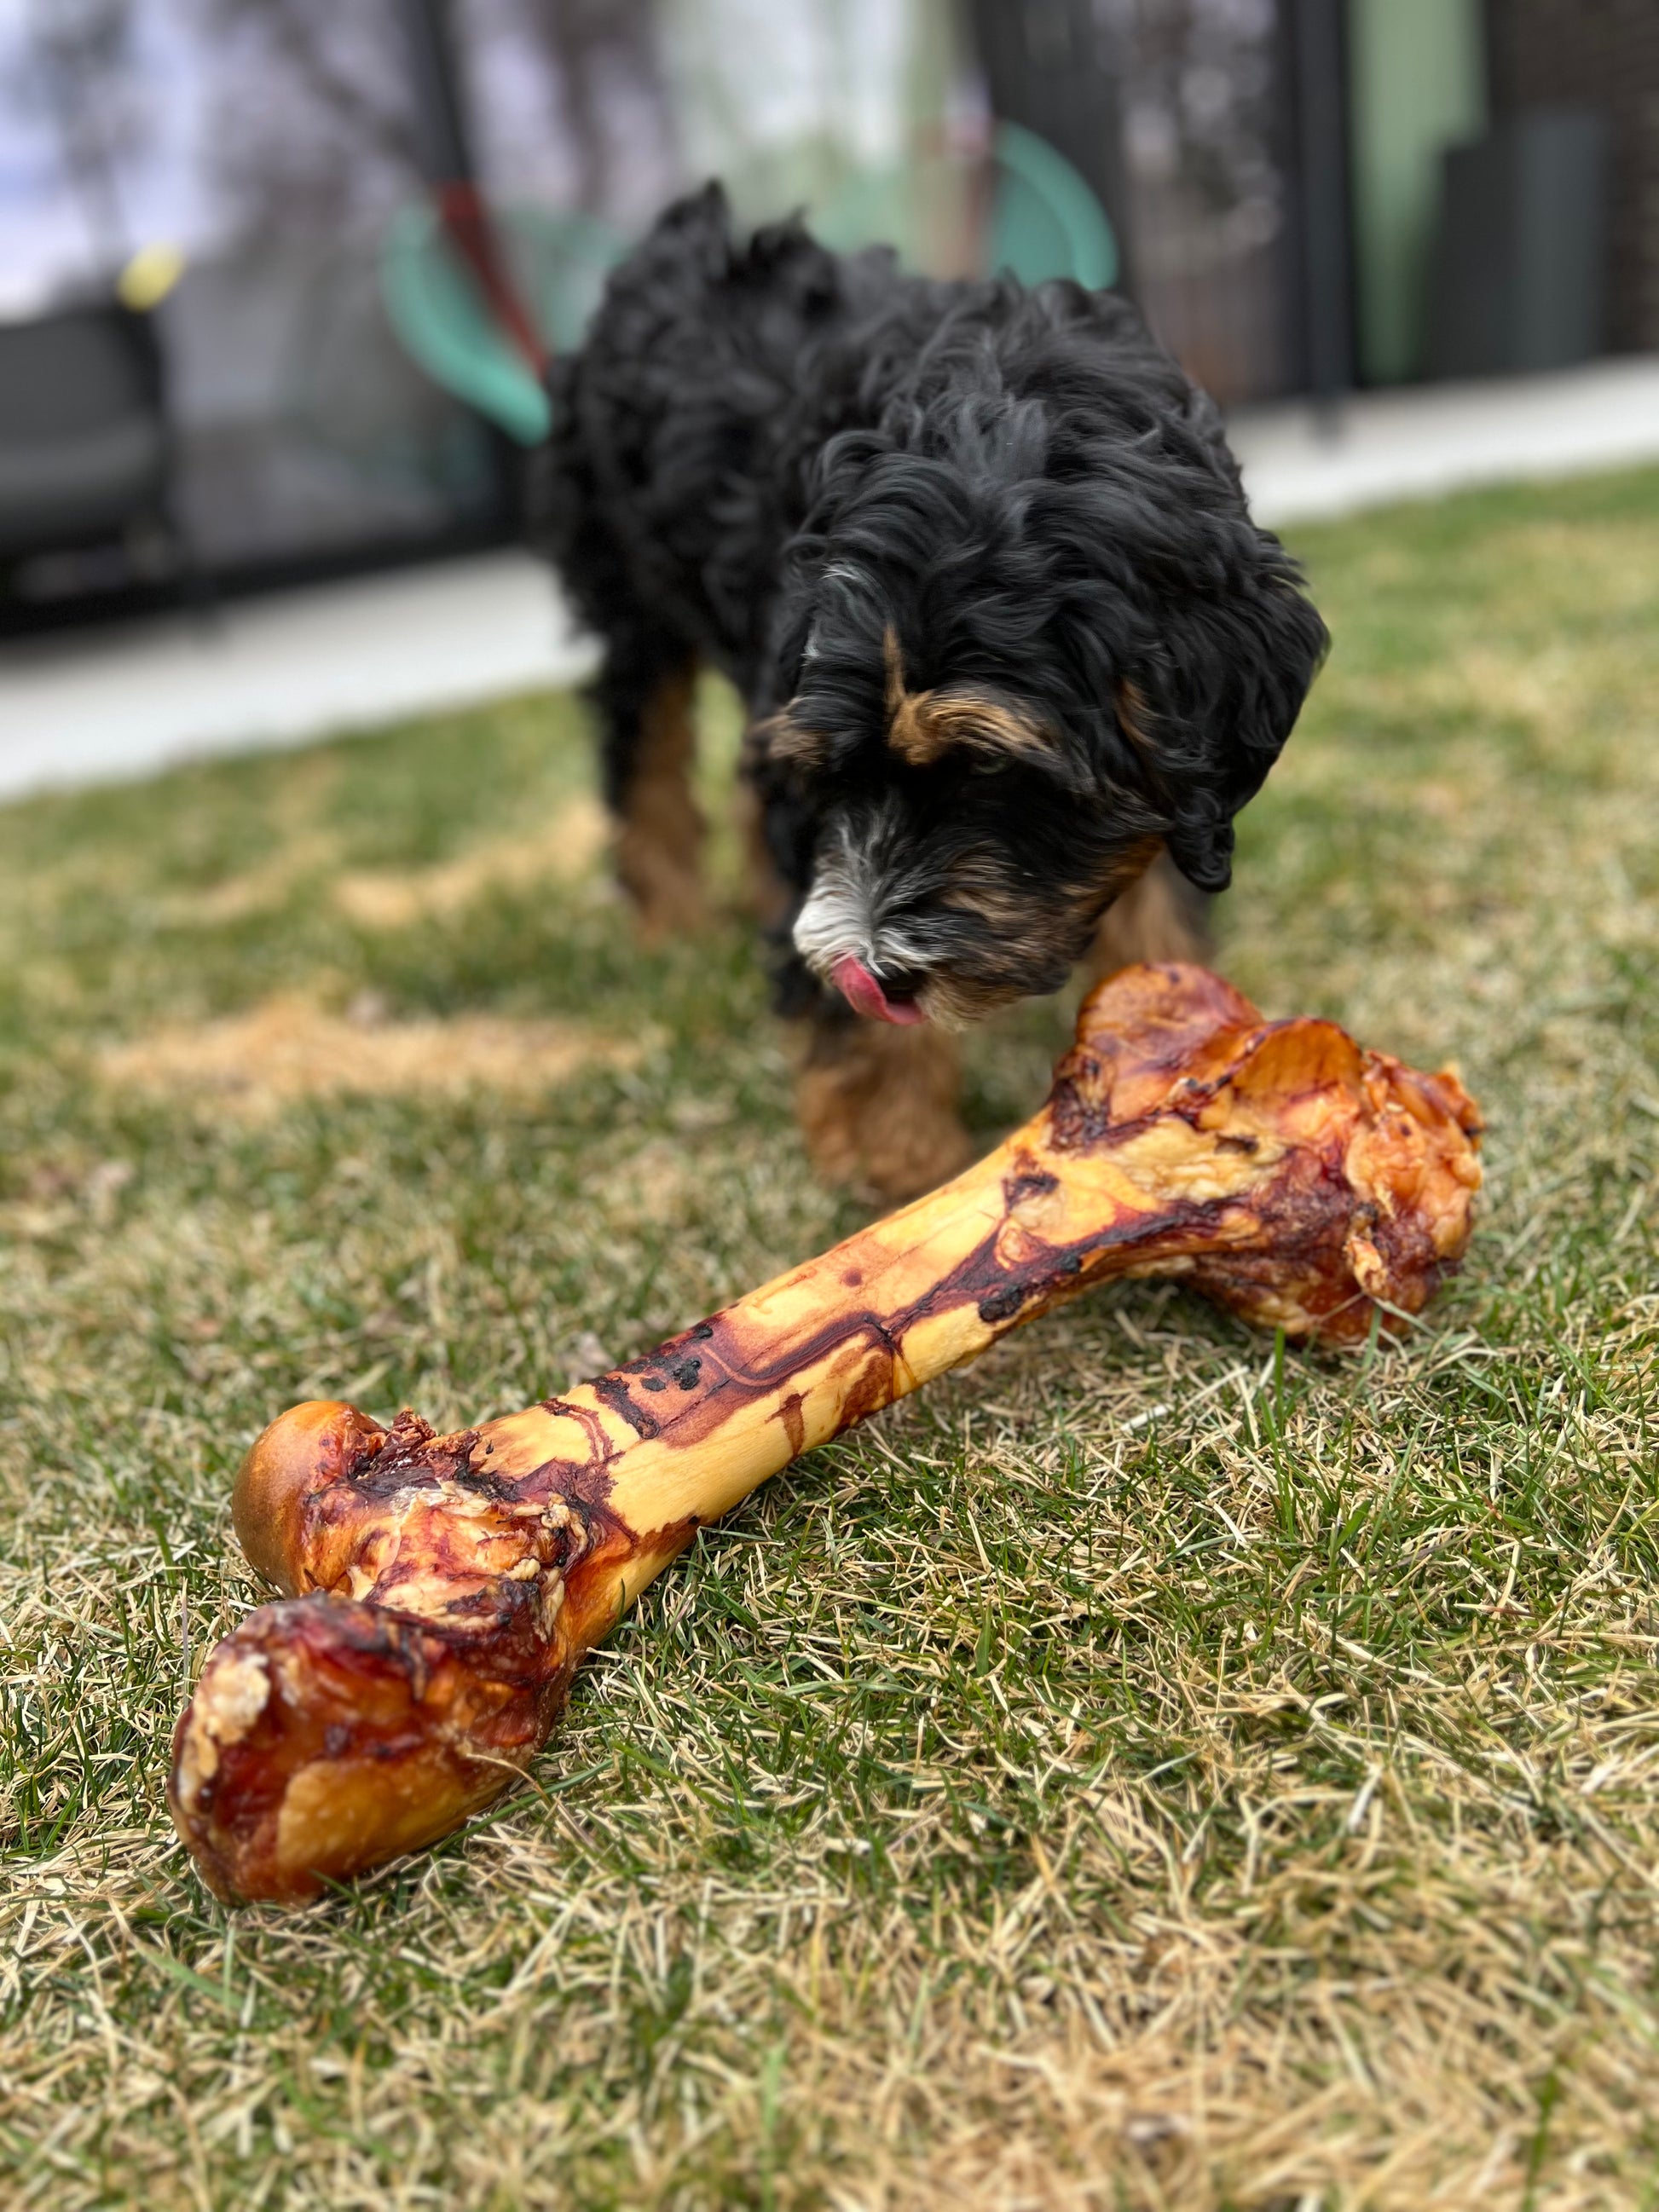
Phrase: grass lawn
(1129, 1775)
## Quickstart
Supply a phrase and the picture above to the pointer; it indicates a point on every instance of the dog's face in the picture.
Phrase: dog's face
(1011, 665)
(960, 857)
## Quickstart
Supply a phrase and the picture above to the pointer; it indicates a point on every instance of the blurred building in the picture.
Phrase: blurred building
(1303, 195)
(1603, 58)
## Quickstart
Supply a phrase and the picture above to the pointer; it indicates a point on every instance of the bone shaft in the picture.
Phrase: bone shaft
(692, 1429)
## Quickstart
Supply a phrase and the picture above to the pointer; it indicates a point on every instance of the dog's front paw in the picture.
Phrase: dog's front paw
(878, 1108)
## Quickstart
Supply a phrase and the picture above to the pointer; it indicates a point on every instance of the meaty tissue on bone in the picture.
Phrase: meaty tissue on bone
(439, 1590)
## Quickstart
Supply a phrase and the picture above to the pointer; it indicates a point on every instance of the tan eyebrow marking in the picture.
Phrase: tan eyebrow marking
(922, 725)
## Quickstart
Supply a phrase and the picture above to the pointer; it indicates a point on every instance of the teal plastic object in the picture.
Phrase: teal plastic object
(559, 262)
(1045, 222)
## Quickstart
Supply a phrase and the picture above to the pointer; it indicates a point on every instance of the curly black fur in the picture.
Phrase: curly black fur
(978, 559)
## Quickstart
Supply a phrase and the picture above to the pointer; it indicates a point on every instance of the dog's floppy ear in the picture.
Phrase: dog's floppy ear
(1229, 685)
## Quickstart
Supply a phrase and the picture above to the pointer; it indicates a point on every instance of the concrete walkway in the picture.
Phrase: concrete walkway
(82, 706)
(116, 702)
(1422, 440)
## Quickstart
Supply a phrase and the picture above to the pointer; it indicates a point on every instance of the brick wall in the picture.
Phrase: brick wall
(1605, 54)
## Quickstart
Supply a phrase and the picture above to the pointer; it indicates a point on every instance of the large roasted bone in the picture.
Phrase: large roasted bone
(440, 1589)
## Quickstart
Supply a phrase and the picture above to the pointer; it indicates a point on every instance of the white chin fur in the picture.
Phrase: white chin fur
(833, 925)
(838, 922)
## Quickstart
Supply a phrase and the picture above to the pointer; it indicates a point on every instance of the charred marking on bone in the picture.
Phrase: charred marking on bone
(1028, 1182)
(614, 1391)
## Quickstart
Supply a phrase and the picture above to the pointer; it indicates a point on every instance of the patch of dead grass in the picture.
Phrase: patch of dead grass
(563, 851)
(556, 852)
(288, 1049)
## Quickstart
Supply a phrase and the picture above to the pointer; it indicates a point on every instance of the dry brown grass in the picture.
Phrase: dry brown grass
(568, 848)
(1142, 1773)
(539, 857)
(287, 1048)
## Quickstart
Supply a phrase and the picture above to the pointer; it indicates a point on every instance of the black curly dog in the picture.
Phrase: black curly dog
(979, 562)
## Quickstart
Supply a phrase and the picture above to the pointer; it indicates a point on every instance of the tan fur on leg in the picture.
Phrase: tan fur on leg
(877, 1108)
(1160, 917)
(660, 834)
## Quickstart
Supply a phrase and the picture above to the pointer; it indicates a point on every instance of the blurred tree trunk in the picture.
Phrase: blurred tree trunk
(83, 47)
(315, 125)
(593, 44)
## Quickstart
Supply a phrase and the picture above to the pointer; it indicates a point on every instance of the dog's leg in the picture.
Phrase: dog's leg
(645, 696)
(1160, 917)
(878, 1105)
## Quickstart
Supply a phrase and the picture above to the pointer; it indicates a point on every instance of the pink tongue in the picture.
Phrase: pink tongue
(864, 995)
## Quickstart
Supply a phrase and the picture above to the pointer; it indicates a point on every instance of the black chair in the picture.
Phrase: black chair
(85, 451)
